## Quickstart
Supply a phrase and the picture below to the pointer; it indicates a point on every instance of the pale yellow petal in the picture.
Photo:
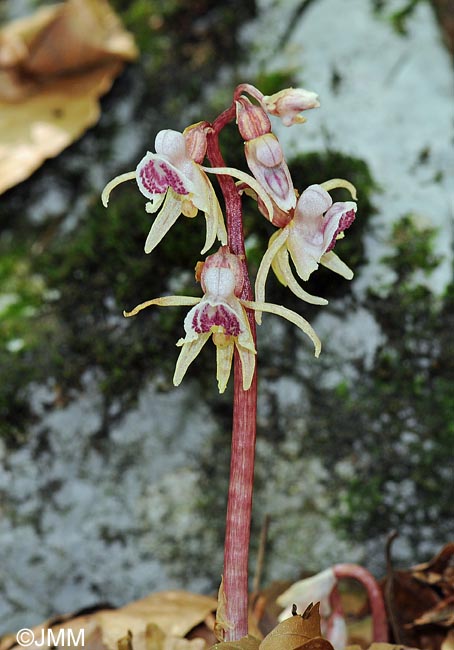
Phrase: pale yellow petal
(334, 263)
(278, 265)
(249, 180)
(214, 219)
(247, 359)
(245, 338)
(188, 353)
(165, 301)
(222, 232)
(224, 356)
(276, 241)
(211, 232)
(284, 273)
(205, 199)
(169, 213)
(128, 176)
(289, 315)
(335, 183)
(153, 206)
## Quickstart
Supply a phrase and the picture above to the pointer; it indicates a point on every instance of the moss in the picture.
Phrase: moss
(185, 43)
(26, 327)
(412, 248)
(22, 294)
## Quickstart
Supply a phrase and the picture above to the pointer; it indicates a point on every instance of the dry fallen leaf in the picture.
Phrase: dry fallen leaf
(154, 637)
(157, 622)
(174, 612)
(439, 571)
(381, 646)
(54, 66)
(297, 632)
(420, 601)
(245, 643)
(441, 614)
(76, 624)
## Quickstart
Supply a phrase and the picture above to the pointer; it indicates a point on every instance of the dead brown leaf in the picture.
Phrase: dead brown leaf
(154, 637)
(54, 66)
(381, 646)
(158, 622)
(245, 643)
(297, 632)
(173, 612)
(441, 614)
(76, 624)
(439, 571)
(125, 643)
(389, 646)
(420, 601)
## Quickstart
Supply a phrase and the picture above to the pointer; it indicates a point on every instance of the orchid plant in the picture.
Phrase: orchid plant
(308, 225)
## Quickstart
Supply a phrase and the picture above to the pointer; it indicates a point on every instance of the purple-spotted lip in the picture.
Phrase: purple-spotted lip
(207, 316)
(345, 222)
(155, 175)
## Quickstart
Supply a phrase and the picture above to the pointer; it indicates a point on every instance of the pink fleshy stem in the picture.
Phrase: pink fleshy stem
(239, 506)
(248, 88)
(239, 503)
(336, 609)
(377, 605)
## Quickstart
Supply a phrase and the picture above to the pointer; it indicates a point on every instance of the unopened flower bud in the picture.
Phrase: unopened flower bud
(251, 119)
(288, 103)
(266, 161)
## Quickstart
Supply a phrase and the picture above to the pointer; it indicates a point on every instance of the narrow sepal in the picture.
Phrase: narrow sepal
(289, 315)
(249, 180)
(128, 176)
(282, 269)
(335, 183)
(276, 242)
(165, 301)
(215, 226)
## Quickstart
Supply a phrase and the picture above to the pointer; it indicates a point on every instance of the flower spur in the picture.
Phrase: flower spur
(221, 314)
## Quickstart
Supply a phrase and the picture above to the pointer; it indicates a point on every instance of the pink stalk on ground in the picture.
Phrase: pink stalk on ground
(376, 602)
(239, 504)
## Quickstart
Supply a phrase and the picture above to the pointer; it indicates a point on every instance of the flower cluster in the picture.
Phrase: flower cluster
(175, 182)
